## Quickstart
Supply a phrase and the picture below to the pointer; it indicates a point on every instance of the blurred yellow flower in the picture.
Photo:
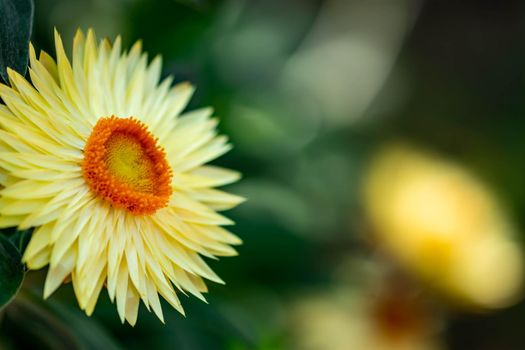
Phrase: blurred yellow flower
(444, 226)
(362, 318)
(96, 156)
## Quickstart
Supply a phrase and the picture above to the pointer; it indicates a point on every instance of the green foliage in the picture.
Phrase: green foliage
(16, 19)
(20, 239)
(11, 270)
(30, 320)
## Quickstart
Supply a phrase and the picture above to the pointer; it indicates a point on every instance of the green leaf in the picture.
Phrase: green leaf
(16, 20)
(11, 271)
(87, 330)
(193, 3)
(20, 239)
(50, 324)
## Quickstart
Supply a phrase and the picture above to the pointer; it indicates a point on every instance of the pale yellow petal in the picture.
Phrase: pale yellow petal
(40, 239)
(58, 272)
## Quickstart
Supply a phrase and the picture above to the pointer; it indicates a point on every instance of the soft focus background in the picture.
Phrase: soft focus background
(382, 145)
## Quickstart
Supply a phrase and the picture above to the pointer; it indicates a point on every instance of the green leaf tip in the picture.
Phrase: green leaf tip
(16, 21)
(11, 270)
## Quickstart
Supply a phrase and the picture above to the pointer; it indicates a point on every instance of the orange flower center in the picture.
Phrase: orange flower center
(124, 165)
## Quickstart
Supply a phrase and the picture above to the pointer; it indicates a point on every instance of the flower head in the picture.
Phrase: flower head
(444, 226)
(96, 155)
(373, 310)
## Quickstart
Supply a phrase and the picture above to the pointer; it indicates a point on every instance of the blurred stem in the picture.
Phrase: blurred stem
(2, 315)
(28, 313)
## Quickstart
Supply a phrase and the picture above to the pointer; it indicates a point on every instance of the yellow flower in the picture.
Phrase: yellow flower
(367, 308)
(443, 225)
(97, 157)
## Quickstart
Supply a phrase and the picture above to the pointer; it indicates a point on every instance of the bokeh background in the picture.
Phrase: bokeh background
(311, 92)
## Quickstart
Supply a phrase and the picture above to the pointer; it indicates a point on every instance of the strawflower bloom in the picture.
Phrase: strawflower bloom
(445, 227)
(96, 156)
(367, 309)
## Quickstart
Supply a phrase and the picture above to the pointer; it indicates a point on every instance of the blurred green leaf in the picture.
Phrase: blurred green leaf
(11, 270)
(86, 330)
(29, 324)
(34, 323)
(16, 19)
(193, 3)
(20, 239)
